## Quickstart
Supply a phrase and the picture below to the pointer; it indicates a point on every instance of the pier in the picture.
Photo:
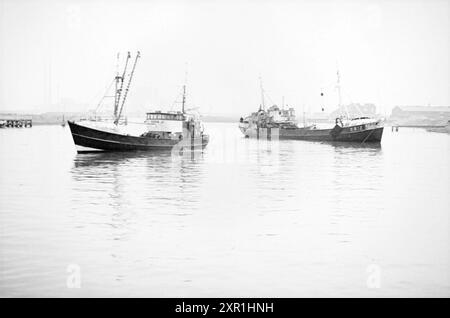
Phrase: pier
(16, 123)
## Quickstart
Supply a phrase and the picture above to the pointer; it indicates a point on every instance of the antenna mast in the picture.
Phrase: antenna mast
(138, 55)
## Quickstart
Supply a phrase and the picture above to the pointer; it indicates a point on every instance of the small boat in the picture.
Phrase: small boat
(159, 130)
(277, 124)
(2, 123)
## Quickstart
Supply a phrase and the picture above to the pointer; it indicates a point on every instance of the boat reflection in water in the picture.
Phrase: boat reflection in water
(356, 145)
(107, 161)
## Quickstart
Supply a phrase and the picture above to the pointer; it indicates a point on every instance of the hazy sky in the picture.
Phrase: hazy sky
(388, 52)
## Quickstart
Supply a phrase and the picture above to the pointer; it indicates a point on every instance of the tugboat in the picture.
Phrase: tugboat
(159, 131)
(266, 125)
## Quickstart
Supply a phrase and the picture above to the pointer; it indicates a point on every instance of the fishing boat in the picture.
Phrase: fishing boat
(158, 131)
(265, 124)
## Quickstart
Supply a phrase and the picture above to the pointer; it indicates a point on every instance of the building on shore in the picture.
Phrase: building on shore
(420, 115)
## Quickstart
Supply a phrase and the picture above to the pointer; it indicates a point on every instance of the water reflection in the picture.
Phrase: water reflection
(108, 159)
(356, 145)
(280, 218)
(151, 179)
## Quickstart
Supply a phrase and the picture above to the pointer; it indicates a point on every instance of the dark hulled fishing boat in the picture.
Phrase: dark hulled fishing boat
(159, 131)
(90, 139)
(281, 124)
(355, 130)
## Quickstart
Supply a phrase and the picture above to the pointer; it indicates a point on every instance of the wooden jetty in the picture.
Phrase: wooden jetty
(16, 123)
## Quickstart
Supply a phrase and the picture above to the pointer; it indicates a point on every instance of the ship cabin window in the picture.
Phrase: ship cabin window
(164, 116)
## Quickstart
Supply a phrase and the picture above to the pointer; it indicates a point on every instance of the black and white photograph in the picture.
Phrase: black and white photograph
(208, 149)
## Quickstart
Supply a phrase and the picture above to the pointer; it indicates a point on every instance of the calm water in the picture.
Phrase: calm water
(247, 218)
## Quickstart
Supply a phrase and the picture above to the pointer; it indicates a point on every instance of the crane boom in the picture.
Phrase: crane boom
(119, 91)
(138, 55)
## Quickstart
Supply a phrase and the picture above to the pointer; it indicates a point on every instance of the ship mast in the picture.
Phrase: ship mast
(183, 102)
(263, 106)
(119, 79)
(138, 55)
(338, 87)
(304, 118)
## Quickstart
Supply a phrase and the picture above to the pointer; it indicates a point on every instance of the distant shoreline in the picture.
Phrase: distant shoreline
(55, 118)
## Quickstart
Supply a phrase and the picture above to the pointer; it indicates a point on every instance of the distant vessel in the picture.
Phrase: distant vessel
(279, 124)
(159, 131)
(441, 129)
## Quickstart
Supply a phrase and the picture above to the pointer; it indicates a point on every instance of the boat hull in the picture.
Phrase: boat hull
(347, 134)
(91, 140)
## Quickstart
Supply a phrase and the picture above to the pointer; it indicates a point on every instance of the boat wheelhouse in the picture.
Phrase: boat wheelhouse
(171, 116)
